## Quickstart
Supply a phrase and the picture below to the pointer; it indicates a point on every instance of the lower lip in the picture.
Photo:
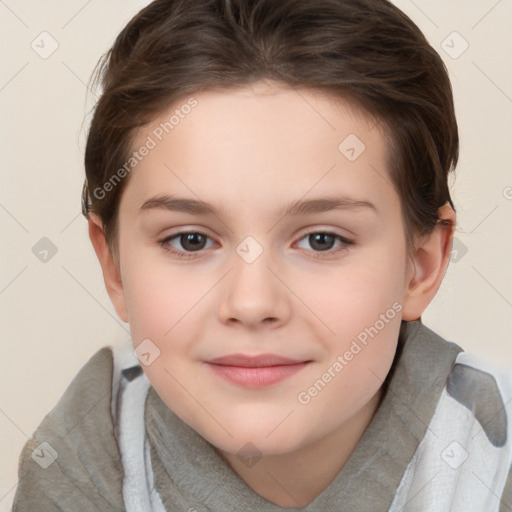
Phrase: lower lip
(258, 377)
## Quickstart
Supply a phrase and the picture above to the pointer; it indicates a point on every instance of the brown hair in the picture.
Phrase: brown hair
(364, 51)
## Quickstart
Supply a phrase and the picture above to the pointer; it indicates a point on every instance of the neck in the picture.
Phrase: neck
(294, 479)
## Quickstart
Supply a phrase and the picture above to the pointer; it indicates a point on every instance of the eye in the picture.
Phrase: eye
(194, 242)
(322, 242)
(191, 241)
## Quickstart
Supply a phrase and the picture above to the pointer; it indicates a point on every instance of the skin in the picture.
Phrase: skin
(251, 151)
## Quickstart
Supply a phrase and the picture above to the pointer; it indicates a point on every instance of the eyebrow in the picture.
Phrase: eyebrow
(299, 207)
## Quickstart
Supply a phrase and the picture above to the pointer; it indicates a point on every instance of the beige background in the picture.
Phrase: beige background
(56, 314)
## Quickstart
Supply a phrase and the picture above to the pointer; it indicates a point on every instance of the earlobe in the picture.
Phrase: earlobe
(111, 271)
(429, 264)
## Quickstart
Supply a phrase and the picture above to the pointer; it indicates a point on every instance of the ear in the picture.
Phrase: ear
(428, 266)
(111, 271)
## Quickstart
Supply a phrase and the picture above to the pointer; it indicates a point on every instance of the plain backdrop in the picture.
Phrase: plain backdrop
(55, 311)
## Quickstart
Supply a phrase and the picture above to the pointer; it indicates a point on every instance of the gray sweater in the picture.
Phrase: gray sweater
(443, 412)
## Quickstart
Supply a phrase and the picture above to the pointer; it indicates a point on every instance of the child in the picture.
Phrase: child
(268, 372)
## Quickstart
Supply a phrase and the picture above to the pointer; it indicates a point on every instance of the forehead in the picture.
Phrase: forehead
(258, 146)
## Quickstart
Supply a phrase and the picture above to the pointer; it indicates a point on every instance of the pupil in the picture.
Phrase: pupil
(321, 237)
(192, 239)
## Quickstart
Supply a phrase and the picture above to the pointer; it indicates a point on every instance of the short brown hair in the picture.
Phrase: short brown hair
(364, 51)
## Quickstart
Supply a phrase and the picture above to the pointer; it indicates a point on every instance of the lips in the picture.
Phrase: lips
(262, 360)
(255, 371)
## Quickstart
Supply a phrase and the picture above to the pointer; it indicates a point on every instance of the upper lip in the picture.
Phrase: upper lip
(247, 361)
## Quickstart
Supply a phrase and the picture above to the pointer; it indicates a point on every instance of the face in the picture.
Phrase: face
(263, 327)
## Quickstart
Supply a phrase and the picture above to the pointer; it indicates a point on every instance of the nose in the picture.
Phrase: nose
(253, 294)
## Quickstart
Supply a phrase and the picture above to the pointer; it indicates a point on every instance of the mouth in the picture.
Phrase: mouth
(255, 371)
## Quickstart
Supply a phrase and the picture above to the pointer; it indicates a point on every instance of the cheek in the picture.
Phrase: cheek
(159, 295)
(361, 304)
(378, 279)
(376, 303)
(353, 295)
(150, 311)
(349, 382)
(358, 356)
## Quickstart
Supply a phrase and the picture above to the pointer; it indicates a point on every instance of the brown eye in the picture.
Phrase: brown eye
(192, 241)
(321, 241)
(185, 244)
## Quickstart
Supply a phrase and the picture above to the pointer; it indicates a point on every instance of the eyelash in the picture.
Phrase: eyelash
(188, 255)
